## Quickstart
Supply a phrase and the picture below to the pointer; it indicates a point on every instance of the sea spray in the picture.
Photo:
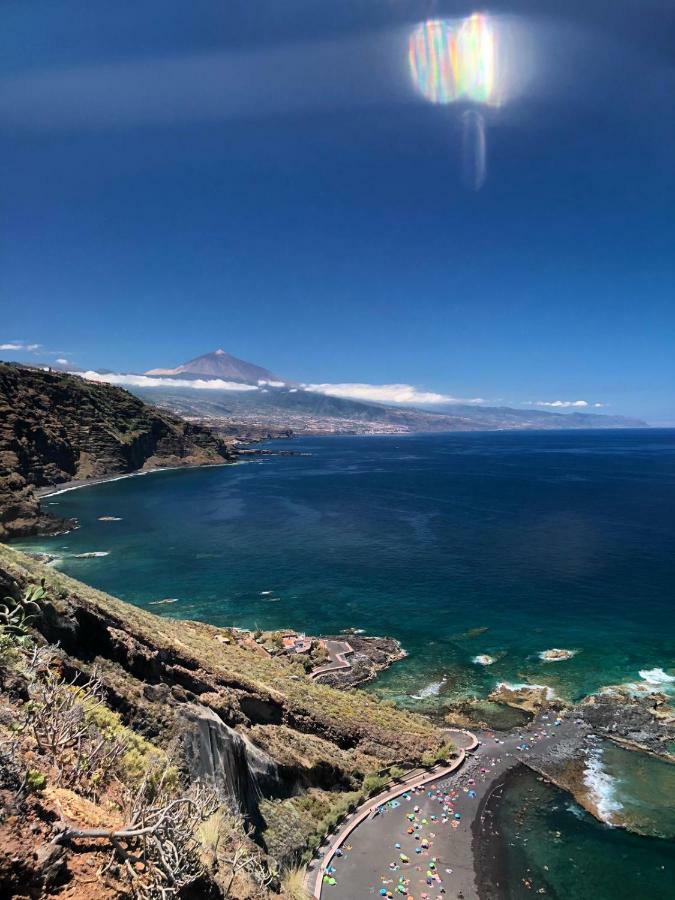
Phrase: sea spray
(601, 787)
(431, 690)
(656, 677)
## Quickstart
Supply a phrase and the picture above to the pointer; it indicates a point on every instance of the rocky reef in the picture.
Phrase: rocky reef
(57, 428)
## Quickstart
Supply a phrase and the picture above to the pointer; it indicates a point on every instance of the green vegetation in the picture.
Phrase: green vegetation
(443, 754)
(298, 825)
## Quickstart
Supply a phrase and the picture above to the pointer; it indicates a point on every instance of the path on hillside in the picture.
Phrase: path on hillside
(337, 651)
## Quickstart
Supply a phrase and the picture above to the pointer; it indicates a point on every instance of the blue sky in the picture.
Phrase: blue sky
(265, 178)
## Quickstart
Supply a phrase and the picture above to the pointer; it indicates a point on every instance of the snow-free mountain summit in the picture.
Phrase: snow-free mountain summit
(219, 364)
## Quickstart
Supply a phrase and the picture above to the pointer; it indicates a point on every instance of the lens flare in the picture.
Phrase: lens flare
(452, 60)
(474, 149)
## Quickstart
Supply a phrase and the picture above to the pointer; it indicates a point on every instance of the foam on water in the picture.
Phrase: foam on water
(483, 659)
(431, 690)
(656, 677)
(601, 787)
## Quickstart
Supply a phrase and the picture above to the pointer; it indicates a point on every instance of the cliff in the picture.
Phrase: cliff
(268, 741)
(56, 428)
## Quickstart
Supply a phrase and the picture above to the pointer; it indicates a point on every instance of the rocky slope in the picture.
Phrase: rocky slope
(253, 728)
(56, 428)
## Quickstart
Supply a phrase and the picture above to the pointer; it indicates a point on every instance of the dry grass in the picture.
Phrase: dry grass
(293, 885)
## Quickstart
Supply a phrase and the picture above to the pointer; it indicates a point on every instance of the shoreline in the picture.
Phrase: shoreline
(42, 493)
(487, 845)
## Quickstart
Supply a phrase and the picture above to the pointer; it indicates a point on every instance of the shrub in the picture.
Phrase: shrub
(374, 783)
(35, 781)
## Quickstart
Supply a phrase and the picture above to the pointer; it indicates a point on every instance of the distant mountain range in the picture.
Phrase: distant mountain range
(280, 403)
(240, 397)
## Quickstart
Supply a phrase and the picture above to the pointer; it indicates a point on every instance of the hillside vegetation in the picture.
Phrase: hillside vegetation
(168, 714)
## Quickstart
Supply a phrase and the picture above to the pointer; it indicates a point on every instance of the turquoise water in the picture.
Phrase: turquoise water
(502, 544)
(547, 842)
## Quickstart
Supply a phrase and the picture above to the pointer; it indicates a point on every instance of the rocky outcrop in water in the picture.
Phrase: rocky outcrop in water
(370, 655)
(56, 428)
(645, 721)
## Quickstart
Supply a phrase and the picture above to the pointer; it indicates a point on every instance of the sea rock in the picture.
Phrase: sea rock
(370, 656)
(528, 697)
(556, 655)
(45, 558)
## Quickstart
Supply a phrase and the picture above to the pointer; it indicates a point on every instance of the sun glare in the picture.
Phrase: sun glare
(455, 60)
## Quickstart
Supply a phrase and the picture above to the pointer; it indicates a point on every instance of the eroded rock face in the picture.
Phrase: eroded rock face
(56, 428)
(228, 762)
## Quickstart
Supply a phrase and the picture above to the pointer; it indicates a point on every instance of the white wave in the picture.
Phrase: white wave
(656, 676)
(431, 690)
(601, 787)
(556, 654)
(265, 593)
(92, 554)
(483, 659)
(95, 481)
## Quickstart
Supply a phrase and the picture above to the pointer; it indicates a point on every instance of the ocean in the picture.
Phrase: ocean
(462, 546)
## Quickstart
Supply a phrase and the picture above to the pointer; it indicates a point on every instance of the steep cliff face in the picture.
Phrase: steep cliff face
(56, 428)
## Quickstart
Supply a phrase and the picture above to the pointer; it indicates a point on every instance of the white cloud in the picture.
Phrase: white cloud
(62, 362)
(20, 345)
(562, 404)
(263, 382)
(215, 384)
(385, 393)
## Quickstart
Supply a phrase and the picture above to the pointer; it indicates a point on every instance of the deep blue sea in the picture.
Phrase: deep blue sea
(463, 545)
